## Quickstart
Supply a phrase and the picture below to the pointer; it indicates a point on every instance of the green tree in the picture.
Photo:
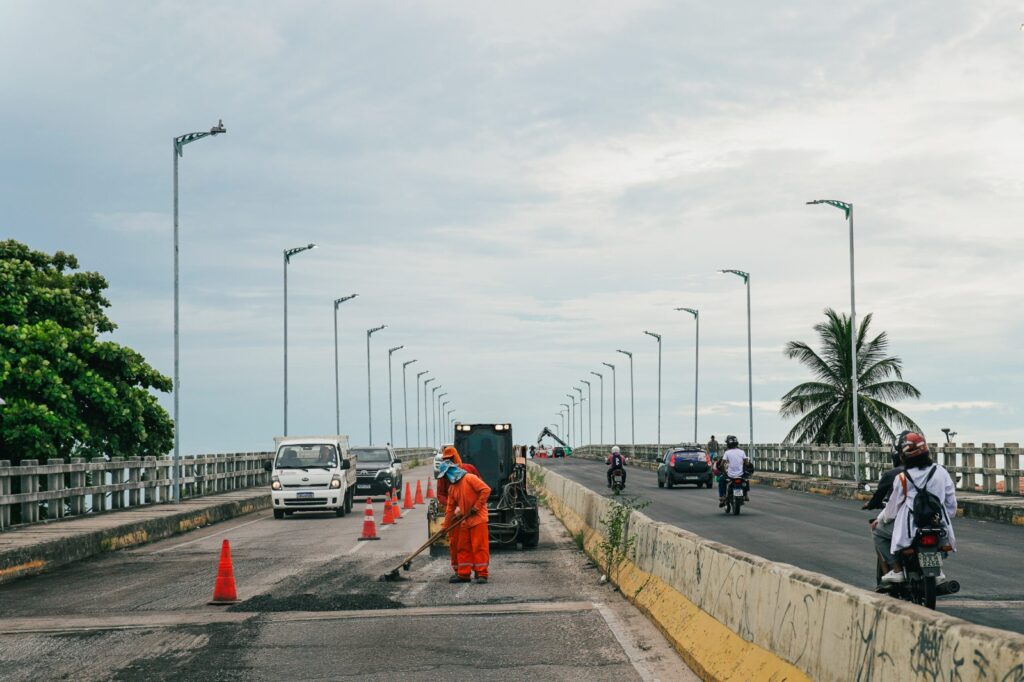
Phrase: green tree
(825, 406)
(68, 393)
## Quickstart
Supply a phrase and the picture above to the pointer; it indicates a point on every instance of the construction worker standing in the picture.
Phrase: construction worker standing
(450, 454)
(467, 498)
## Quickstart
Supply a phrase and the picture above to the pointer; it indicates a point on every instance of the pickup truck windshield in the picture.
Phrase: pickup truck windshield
(306, 457)
(372, 455)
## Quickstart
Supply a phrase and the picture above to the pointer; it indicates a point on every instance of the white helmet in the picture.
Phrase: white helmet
(615, 450)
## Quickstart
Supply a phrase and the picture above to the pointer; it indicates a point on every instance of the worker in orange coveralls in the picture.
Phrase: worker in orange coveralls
(450, 454)
(467, 498)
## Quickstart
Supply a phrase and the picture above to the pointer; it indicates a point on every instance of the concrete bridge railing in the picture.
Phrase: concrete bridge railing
(985, 468)
(34, 492)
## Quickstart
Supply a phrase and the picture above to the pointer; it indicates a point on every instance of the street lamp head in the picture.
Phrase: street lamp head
(625, 352)
(288, 253)
(843, 206)
(609, 365)
(219, 128)
(392, 350)
(427, 381)
(426, 371)
(585, 381)
(407, 363)
(738, 273)
(692, 311)
(657, 336)
(598, 374)
(371, 332)
(339, 301)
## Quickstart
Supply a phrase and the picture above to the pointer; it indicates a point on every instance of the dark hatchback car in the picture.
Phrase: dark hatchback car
(558, 452)
(378, 470)
(685, 465)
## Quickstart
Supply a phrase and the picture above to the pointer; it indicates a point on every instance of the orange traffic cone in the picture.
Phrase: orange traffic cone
(407, 502)
(369, 527)
(396, 509)
(224, 588)
(389, 516)
(419, 493)
(430, 489)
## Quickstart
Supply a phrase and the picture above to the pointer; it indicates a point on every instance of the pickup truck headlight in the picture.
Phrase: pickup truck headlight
(335, 483)
(276, 485)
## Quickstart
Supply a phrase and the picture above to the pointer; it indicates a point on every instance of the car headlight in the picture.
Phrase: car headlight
(276, 485)
(335, 483)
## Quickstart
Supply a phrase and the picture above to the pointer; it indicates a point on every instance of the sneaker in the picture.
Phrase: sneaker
(721, 501)
(941, 578)
(458, 579)
(893, 577)
(480, 581)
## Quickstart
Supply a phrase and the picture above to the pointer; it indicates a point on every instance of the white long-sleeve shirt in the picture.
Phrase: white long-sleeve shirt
(901, 504)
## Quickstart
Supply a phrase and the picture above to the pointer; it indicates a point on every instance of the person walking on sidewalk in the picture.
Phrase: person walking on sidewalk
(467, 498)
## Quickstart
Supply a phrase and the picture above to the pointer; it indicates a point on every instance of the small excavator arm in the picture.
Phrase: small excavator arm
(547, 432)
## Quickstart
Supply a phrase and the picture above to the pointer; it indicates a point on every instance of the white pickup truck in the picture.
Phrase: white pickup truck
(312, 473)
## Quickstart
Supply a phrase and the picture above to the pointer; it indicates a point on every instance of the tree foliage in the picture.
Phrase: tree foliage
(825, 406)
(67, 392)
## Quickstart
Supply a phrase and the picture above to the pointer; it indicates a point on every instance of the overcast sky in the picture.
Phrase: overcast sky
(519, 189)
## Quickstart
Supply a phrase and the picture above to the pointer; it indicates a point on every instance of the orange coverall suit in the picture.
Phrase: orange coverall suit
(474, 553)
(442, 499)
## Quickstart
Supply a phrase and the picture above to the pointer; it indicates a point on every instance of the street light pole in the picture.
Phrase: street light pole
(179, 143)
(590, 411)
(658, 337)
(572, 418)
(391, 407)
(440, 416)
(433, 414)
(405, 401)
(577, 388)
(426, 421)
(632, 404)
(426, 371)
(750, 371)
(601, 420)
(369, 383)
(288, 253)
(564, 414)
(615, 411)
(854, 369)
(696, 369)
(337, 386)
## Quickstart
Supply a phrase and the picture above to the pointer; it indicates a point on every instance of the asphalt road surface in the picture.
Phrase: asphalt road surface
(312, 608)
(830, 536)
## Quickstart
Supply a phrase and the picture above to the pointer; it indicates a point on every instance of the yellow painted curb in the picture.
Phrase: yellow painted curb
(713, 651)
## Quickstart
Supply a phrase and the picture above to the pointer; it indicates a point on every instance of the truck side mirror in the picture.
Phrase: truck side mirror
(346, 464)
(267, 466)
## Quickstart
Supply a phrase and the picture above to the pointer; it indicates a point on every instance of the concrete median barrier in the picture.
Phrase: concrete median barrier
(733, 615)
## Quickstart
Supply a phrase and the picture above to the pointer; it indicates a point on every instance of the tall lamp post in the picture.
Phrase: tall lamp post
(438, 426)
(572, 418)
(847, 208)
(590, 411)
(564, 414)
(615, 411)
(426, 371)
(426, 420)
(337, 386)
(580, 391)
(391, 407)
(443, 420)
(696, 368)
(658, 338)
(405, 401)
(179, 143)
(433, 414)
(451, 420)
(288, 253)
(369, 382)
(632, 404)
(601, 420)
(745, 276)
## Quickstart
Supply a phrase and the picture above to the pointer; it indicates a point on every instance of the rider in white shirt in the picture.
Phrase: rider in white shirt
(731, 466)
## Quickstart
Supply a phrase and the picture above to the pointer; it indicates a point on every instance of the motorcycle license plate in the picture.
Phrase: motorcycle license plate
(304, 493)
(930, 560)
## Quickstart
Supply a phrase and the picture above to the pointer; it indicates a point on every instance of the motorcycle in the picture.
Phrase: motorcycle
(922, 565)
(618, 481)
(734, 496)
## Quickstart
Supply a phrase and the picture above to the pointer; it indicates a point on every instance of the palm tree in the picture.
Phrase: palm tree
(825, 406)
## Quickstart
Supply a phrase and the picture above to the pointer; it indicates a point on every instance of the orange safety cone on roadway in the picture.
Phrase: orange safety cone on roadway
(407, 503)
(369, 527)
(396, 509)
(419, 493)
(430, 489)
(224, 588)
(389, 516)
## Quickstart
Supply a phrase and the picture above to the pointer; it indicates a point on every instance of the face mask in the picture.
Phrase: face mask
(454, 474)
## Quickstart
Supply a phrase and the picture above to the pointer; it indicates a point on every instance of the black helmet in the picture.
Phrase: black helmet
(732, 442)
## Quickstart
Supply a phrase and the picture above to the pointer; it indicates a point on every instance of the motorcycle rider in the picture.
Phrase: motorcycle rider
(733, 464)
(881, 533)
(920, 474)
(616, 462)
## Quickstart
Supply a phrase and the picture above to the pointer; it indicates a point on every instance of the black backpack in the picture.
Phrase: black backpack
(927, 511)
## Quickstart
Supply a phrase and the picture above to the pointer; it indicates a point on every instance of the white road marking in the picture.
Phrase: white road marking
(206, 537)
(633, 653)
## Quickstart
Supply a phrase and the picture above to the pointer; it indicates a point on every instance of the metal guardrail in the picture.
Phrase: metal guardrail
(983, 469)
(59, 489)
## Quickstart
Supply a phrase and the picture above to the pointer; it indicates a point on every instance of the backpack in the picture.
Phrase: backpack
(927, 511)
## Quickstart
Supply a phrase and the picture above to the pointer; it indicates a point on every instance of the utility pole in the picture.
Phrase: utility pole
(615, 414)
(391, 406)
(405, 402)
(369, 382)
(601, 420)
(426, 371)
(632, 404)
(337, 385)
